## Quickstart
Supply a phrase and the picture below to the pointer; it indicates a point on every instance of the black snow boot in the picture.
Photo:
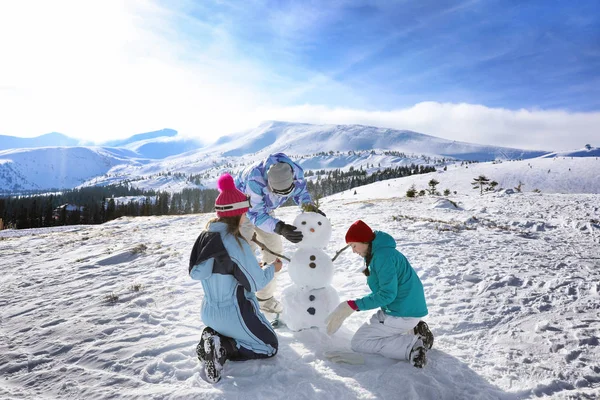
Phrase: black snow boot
(423, 332)
(418, 354)
(213, 353)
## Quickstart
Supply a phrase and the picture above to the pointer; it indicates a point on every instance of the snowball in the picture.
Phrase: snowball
(315, 228)
(305, 308)
(311, 267)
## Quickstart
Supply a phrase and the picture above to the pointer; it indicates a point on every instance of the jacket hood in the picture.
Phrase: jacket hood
(383, 240)
(208, 246)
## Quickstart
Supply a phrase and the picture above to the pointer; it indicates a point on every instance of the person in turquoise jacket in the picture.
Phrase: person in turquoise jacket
(396, 329)
(224, 263)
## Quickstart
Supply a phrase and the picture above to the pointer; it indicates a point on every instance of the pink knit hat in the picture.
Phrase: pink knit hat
(360, 232)
(231, 202)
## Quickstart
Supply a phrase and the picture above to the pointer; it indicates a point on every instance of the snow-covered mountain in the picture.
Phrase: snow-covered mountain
(145, 158)
(275, 136)
(587, 151)
(49, 139)
(140, 137)
(157, 144)
(57, 167)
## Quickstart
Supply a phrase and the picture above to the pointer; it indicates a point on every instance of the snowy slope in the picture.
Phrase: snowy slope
(57, 167)
(511, 282)
(588, 151)
(548, 175)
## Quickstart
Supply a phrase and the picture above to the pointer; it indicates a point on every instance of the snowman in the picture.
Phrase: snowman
(310, 299)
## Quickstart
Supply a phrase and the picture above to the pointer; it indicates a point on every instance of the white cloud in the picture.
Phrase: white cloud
(105, 70)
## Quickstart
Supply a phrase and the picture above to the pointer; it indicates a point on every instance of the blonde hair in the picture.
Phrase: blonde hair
(233, 226)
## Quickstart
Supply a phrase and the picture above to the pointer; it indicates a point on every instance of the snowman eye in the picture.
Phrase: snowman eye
(303, 222)
(319, 223)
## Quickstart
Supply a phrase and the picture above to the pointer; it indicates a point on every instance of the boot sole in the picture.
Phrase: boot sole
(423, 331)
(420, 359)
(212, 369)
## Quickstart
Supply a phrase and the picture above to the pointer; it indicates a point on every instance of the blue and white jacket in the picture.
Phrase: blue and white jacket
(253, 182)
(230, 274)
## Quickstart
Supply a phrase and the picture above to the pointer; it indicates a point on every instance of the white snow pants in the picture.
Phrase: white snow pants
(273, 243)
(391, 337)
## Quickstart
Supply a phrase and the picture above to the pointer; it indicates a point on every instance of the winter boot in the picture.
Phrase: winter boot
(270, 305)
(418, 354)
(423, 332)
(212, 351)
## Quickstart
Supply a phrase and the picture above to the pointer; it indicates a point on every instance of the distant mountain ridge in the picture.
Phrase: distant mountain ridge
(145, 159)
(296, 138)
(141, 137)
(153, 145)
(587, 151)
(47, 140)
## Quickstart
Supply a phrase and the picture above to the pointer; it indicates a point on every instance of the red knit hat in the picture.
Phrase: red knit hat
(231, 202)
(359, 232)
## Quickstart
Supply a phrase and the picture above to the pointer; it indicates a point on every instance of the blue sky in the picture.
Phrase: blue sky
(512, 54)
(483, 71)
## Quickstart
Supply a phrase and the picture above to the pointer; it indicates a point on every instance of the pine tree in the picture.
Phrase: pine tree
(432, 184)
(480, 182)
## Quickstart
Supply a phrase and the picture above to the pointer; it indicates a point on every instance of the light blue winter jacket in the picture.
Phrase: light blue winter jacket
(230, 275)
(253, 182)
(395, 286)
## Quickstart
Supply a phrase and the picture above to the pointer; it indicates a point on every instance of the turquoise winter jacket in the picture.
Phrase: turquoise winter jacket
(395, 286)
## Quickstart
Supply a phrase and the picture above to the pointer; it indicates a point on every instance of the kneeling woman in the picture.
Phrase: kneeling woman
(230, 275)
(396, 330)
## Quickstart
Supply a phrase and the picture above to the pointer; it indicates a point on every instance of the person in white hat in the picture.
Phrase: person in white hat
(270, 183)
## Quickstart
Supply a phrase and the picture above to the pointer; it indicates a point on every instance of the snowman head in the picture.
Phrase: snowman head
(315, 228)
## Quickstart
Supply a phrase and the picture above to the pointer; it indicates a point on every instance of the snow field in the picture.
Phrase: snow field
(511, 282)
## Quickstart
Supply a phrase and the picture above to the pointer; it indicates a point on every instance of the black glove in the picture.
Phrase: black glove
(288, 231)
(312, 208)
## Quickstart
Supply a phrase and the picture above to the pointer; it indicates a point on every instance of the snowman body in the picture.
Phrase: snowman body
(310, 299)
(306, 308)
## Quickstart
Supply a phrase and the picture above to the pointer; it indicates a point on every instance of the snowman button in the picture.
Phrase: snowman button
(313, 258)
(312, 265)
(311, 297)
(311, 311)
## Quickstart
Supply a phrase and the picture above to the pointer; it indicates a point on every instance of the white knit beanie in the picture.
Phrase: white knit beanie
(280, 176)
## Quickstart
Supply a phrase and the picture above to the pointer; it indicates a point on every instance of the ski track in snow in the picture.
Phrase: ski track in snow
(512, 284)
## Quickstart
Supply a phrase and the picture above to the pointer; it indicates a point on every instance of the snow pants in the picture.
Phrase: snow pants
(241, 320)
(273, 243)
(391, 337)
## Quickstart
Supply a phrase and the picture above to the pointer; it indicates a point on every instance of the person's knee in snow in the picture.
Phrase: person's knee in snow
(396, 288)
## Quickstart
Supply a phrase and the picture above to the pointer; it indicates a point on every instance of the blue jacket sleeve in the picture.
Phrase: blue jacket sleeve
(301, 195)
(259, 212)
(251, 276)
